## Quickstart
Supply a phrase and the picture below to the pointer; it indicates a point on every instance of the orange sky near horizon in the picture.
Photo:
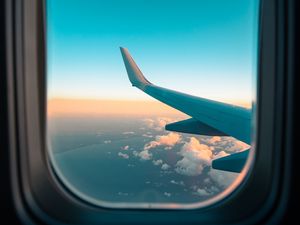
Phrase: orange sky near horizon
(95, 107)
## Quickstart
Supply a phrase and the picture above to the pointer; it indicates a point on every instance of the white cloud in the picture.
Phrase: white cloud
(145, 155)
(220, 155)
(157, 162)
(181, 183)
(222, 178)
(165, 166)
(168, 140)
(186, 167)
(202, 192)
(128, 132)
(236, 146)
(125, 156)
(228, 144)
(126, 147)
(168, 194)
(107, 141)
(149, 122)
(214, 140)
(147, 135)
(206, 180)
(159, 123)
(123, 193)
(195, 157)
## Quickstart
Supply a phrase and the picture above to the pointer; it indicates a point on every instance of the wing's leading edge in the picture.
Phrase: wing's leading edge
(208, 115)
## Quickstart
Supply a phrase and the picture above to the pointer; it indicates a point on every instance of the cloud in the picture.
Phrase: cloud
(159, 123)
(147, 135)
(228, 144)
(202, 192)
(167, 140)
(205, 191)
(107, 141)
(206, 180)
(181, 183)
(125, 156)
(157, 162)
(168, 194)
(196, 156)
(214, 140)
(235, 146)
(128, 132)
(149, 122)
(165, 166)
(126, 147)
(222, 178)
(123, 193)
(220, 155)
(145, 155)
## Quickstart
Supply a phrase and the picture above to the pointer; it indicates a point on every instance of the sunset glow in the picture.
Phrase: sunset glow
(94, 107)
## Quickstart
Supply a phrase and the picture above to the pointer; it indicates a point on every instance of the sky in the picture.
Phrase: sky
(206, 48)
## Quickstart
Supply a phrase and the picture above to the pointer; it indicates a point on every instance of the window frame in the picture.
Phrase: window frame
(40, 197)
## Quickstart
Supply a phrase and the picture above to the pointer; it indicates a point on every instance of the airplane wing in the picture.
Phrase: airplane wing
(208, 117)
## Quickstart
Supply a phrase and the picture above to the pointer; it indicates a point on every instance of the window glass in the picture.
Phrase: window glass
(107, 140)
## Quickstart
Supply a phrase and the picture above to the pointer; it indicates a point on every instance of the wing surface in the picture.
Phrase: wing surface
(208, 117)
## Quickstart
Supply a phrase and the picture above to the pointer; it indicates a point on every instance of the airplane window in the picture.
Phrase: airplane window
(150, 103)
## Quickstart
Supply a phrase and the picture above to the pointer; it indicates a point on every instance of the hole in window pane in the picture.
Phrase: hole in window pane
(107, 134)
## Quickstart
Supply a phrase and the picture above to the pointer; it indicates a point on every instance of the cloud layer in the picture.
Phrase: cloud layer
(195, 157)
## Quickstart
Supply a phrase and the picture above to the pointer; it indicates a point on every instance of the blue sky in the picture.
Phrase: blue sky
(206, 48)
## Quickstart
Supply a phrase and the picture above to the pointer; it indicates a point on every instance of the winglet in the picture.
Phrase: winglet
(135, 75)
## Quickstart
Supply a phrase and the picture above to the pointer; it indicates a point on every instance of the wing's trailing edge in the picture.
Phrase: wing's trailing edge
(208, 115)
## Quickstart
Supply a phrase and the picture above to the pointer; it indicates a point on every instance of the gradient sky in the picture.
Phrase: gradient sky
(206, 48)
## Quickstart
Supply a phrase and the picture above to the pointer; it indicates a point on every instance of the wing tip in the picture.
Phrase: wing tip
(135, 75)
(123, 49)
